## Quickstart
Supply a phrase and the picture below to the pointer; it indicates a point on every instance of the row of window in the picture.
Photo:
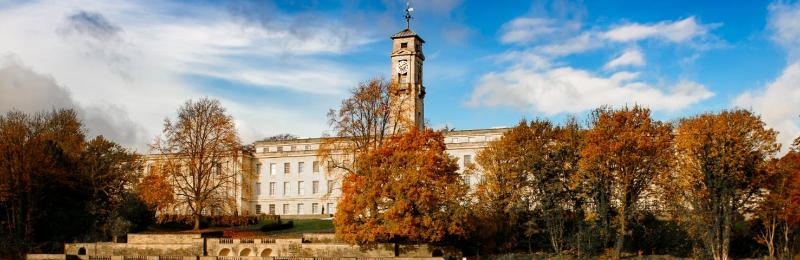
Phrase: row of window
(287, 189)
(299, 209)
(287, 168)
(287, 148)
(471, 139)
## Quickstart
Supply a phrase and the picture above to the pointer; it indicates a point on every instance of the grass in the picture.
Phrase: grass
(308, 226)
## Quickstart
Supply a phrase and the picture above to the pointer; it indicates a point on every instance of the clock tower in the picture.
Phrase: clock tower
(407, 91)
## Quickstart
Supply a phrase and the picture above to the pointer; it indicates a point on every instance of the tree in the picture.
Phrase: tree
(110, 170)
(526, 176)
(624, 150)
(201, 153)
(406, 191)
(718, 170)
(156, 191)
(361, 124)
(778, 210)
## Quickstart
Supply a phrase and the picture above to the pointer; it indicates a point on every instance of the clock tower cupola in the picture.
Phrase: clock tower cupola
(407, 90)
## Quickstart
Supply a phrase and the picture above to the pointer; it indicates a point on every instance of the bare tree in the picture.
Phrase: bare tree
(201, 152)
(362, 123)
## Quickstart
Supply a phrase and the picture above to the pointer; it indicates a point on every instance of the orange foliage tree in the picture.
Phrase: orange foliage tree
(406, 191)
(720, 167)
(156, 191)
(624, 150)
(779, 209)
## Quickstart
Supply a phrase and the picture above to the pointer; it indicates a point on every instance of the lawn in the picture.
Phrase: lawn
(300, 226)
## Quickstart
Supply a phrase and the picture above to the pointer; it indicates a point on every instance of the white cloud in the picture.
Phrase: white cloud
(532, 29)
(777, 103)
(679, 31)
(24, 90)
(569, 90)
(784, 21)
(118, 56)
(577, 44)
(631, 57)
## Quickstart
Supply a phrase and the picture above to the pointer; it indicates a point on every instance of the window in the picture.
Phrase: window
(258, 209)
(300, 189)
(315, 187)
(403, 45)
(264, 150)
(466, 181)
(330, 186)
(286, 188)
(273, 168)
(258, 169)
(286, 167)
(329, 207)
(258, 188)
(314, 208)
(299, 208)
(467, 159)
(300, 167)
(272, 188)
(315, 166)
(286, 209)
(272, 209)
(280, 148)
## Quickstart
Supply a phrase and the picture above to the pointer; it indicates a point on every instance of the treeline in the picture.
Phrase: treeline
(56, 186)
(621, 184)
(707, 186)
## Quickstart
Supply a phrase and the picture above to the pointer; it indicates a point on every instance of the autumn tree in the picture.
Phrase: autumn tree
(201, 156)
(624, 150)
(405, 191)
(362, 123)
(57, 187)
(718, 170)
(156, 191)
(526, 181)
(778, 209)
(111, 171)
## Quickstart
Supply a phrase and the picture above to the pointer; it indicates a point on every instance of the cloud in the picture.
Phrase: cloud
(631, 57)
(578, 44)
(570, 90)
(531, 29)
(784, 21)
(679, 31)
(777, 104)
(25, 90)
(136, 61)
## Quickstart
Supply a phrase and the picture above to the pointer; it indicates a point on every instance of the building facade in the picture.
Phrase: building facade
(286, 177)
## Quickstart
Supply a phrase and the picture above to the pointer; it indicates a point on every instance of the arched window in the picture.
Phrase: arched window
(82, 251)
(245, 252)
(266, 252)
(224, 252)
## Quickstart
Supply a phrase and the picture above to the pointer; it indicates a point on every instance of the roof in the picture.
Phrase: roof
(407, 33)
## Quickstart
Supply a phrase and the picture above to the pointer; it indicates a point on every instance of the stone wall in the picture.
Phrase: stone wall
(162, 238)
(123, 249)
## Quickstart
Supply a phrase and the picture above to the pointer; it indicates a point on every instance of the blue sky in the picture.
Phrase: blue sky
(279, 66)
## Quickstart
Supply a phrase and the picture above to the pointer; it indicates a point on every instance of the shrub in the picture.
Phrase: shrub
(277, 225)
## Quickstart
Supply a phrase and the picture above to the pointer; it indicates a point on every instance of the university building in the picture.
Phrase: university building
(286, 177)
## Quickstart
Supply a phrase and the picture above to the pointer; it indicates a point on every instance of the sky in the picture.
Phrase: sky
(279, 66)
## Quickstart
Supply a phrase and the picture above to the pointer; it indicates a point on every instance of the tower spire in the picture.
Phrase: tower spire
(409, 9)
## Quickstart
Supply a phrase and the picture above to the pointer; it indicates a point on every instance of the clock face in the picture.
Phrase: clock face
(402, 67)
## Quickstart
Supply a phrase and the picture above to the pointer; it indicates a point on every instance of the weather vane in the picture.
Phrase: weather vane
(409, 9)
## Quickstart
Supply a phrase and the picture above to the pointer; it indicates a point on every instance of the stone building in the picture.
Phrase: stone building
(286, 177)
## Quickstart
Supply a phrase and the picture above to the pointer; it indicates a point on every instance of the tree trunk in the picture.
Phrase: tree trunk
(620, 234)
(196, 221)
